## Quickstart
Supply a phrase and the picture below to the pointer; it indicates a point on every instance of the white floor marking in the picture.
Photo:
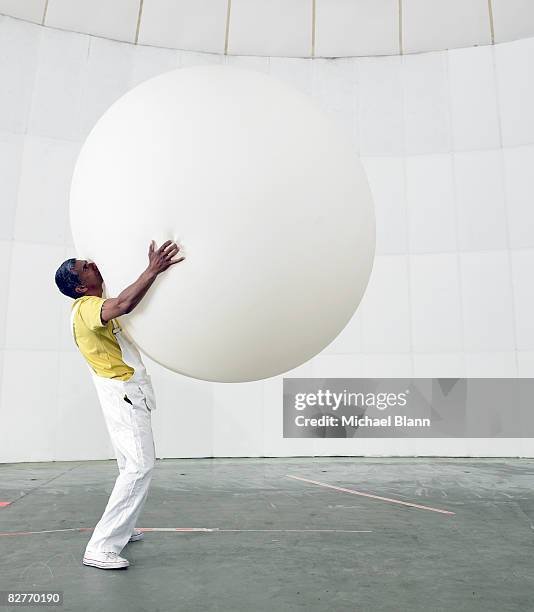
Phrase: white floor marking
(388, 499)
(196, 529)
(303, 530)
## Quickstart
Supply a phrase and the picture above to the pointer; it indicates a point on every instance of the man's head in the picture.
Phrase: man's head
(78, 277)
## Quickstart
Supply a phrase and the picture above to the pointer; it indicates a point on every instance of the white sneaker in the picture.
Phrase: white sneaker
(136, 535)
(105, 560)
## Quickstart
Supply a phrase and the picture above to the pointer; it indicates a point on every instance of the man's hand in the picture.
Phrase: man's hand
(161, 259)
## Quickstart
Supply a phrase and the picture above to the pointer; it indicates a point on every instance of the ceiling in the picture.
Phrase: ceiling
(289, 28)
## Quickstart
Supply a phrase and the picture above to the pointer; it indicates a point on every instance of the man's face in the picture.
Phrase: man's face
(89, 276)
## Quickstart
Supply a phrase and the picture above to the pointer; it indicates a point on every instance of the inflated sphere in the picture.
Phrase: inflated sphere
(267, 199)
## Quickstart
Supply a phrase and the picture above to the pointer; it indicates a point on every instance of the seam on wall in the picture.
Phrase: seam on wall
(45, 11)
(401, 41)
(456, 209)
(227, 27)
(491, 22)
(407, 259)
(3, 319)
(313, 26)
(138, 27)
(506, 209)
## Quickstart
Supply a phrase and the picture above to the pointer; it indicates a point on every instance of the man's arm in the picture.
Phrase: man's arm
(128, 299)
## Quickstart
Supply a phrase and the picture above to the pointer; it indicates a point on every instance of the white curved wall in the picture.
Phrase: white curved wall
(289, 28)
(447, 139)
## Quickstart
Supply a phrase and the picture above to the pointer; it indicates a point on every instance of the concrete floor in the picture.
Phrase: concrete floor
(413, 559)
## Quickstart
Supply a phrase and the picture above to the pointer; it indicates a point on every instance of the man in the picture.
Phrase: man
(124, 390)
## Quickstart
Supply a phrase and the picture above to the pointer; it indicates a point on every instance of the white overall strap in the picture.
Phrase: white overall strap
(115, 326)
(130, 356)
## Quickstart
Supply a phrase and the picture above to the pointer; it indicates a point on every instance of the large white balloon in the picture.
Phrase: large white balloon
(266, 197)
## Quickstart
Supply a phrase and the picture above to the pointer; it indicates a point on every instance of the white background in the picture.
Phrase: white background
(447, 139)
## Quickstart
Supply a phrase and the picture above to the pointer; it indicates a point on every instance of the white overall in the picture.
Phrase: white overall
(126, 406)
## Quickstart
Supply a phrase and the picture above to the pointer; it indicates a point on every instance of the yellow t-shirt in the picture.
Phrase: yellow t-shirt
(96, 340)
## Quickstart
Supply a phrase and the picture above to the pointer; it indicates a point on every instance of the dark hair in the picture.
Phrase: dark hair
(67, 280)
